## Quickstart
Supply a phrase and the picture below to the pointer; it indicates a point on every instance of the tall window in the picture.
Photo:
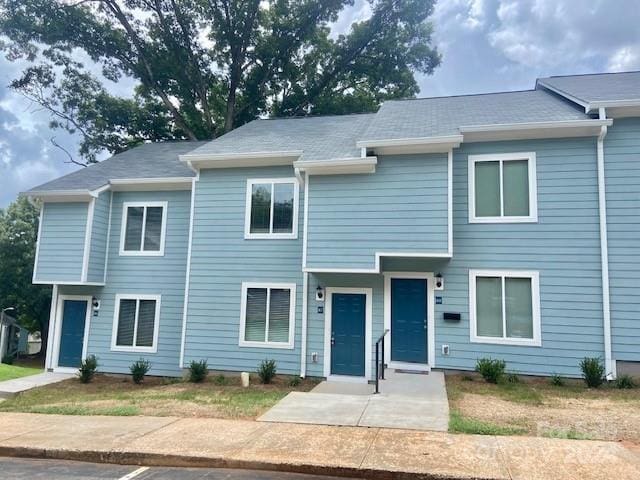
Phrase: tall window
(504, 307)
(135, 323)
(143, 228)
(272, 208)
(502, 188)
(267, 315)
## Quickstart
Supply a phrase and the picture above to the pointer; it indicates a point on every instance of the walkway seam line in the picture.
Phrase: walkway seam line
(502, 456)
(373, 440)
(159, 428)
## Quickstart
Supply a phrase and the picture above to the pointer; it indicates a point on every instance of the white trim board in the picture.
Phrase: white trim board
(35, 262)
(247, 212)
(238, 160)
(87, 240)
(59, 308)
(536, 341)
(156, 323)
(338, 166)
(530, 157)
(187, 283)
(378, 256)
(289, 345)
(431, 321)
(163, 229)
(368, 338)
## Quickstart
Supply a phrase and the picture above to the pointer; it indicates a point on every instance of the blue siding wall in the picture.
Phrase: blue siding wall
(99, 238)
(400, 208)
(61, 243)
(564, 246)
(163, 276)
(622, 167)
(222, 259)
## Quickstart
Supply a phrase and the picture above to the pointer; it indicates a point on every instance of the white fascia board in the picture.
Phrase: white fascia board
(61, 195)
(402, 142)
(338, 166)
(500, 127)
(635, 102)
(150, 184)
(533, 130)
(245, 159)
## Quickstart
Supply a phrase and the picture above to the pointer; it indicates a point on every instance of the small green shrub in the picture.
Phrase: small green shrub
(492, 370)
(513, 378)
(625, 382)
(221, 380)
(87, 369)
(139, 369)
(8, 359)
(556, 380)
(198, 371)
(266, 371)
(592, 372)
(295, 381)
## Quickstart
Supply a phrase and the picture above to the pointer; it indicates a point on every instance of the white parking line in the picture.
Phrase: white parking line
(134, 474)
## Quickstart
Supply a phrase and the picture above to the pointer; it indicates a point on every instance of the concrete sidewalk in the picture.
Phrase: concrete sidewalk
(9, 388)
(345, 451)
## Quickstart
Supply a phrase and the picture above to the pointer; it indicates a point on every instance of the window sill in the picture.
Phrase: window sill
(271, 236)
(134, 349)
(280, 346)
(124, 253)
(520, 342)
(503, 220)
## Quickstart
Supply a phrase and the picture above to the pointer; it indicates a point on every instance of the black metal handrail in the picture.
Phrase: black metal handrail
(380, 365)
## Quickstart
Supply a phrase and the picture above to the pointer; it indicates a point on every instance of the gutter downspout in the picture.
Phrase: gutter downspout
(609, 364)
(305, 281)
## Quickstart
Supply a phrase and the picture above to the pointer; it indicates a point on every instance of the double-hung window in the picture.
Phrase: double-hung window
(504, 307)
(143, 228)
(267, 317)
(271, 208)
(135, 323)
(502, 188)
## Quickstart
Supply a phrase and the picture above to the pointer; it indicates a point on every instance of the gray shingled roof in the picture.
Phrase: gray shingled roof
(442, 116)
(150, 160)
(320, 138)
(601, 87)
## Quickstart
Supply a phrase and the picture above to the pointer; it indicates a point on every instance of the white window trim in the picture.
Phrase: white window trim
(533, 188)
(536, 341)
(156, 323)
(163, 229)
(292, 316)
(247, 217)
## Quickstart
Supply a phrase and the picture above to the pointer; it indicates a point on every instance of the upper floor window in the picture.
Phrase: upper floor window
(143, 228)
(504, 307)
(272, 208)
(267, 315)
(502, 188)
(135, 323)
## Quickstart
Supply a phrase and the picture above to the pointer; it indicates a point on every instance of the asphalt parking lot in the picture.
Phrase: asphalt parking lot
(21, 469)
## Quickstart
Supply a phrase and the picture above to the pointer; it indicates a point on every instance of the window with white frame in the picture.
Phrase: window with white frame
(143, 228)
(272, 208)
(502, 188)
(135, 323)
(267, 315)
(504, 307)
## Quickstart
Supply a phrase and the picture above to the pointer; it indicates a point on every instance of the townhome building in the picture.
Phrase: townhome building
(502, 225)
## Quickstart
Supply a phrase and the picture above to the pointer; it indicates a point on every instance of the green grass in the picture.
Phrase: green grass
(520, 392)
(458, 423)
(570, 434)
(9, 372)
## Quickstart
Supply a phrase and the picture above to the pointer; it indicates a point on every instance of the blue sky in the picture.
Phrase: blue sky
(487, 45)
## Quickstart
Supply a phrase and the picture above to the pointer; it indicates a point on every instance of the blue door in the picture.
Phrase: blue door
(348, 319)
(74, 313)
(409, 320)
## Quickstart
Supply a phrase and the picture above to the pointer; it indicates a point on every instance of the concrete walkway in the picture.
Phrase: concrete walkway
(345, 451)
(9, 388)
(406, 400)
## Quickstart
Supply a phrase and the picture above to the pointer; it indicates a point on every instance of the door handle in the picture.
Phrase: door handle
(333, 339)
(425, 323)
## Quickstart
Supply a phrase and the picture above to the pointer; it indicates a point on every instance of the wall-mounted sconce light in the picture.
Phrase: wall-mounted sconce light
(320, 294)
(439, 282)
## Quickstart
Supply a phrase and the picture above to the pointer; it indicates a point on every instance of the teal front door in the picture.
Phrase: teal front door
(348, 323)
(409, 320)
(74, 314)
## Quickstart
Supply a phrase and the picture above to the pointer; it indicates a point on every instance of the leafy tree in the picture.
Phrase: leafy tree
(18, 233)
(204, 67)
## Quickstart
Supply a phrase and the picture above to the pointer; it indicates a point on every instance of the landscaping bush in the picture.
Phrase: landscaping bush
(266, 371)
(556, 380)
(492, 370)
(221, 380)
(592, 371)
(513, 378)
(87, 369)
(198, 371)
(139, 369)
(625, 381)
(8, 359)
(295, 381)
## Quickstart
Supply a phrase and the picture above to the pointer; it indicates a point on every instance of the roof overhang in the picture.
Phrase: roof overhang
(533, 130)
(150, 184)
(338, 166)
(633, 103)
(62, 195)
(245, 159)
(392, 146)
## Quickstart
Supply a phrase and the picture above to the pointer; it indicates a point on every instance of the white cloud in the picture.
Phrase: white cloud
(625, 59)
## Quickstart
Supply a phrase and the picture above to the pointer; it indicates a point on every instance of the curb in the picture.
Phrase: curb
(162, 460)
